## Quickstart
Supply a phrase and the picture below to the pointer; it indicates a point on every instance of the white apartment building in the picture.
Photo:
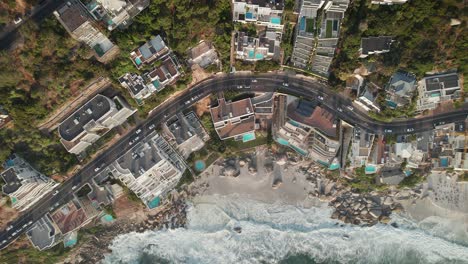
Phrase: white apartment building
(305, 39)
(261, 12)
(91, 121)
(23, 184)
(150, 169)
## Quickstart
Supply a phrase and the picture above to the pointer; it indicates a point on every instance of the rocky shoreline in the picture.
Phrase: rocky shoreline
(170, 215)
(350, 207)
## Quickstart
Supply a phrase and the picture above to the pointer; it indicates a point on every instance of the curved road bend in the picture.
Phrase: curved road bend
(268, 82)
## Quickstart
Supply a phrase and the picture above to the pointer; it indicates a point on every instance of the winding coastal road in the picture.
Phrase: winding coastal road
(268, 82)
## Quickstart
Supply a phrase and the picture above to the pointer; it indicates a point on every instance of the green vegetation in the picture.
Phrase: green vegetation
(258, 66)
(30, 92)
(328, 33)
(411, 180)
(363, 182)
(463, 177)
(182, 24)
(32, 255)
(424, 38)
(84, 191)
(109, 209)
(236, 146)
(187, 178)
(310, 25)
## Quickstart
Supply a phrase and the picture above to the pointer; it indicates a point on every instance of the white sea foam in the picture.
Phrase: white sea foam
(270, 232)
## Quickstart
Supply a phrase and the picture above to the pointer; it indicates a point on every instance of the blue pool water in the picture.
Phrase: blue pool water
(324, 163)
(259, 56)
(301, 151)
(200, 165)
(334, 166)
(156, 84)
(154, 203)
(138, 61)
(251, 54)
(391, 104)
(302, 24)
(370, 169)
(444, 162)
(107, 218)
(70, 242)
(248, 15)
(282, 141)
(248, 137)
(275, 20)
(294, 123)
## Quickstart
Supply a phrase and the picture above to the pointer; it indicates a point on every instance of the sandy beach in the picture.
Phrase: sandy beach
(293, 190)
(442, 196)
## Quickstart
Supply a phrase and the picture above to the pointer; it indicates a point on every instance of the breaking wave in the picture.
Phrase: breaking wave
(274, 233)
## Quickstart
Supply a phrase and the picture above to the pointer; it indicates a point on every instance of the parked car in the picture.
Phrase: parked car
(17, 20)
(138, 131)
(350, 108)
(409, 129)
(286, 84)
(320, 97)
(339, 109)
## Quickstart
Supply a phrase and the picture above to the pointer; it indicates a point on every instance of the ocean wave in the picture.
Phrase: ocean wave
(277, 233)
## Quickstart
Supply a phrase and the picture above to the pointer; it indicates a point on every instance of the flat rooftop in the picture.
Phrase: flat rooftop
(141, 158)
(443, 81)
(42, 233)
(180, 128)
(94, 109)
(73, 16)
(273, 4)
(372, 44)
(134, 82)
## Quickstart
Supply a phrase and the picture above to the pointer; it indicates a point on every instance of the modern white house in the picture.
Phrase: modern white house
(438, 88)
(261, 12)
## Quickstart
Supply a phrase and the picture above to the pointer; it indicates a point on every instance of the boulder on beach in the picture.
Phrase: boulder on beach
(277, 183)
